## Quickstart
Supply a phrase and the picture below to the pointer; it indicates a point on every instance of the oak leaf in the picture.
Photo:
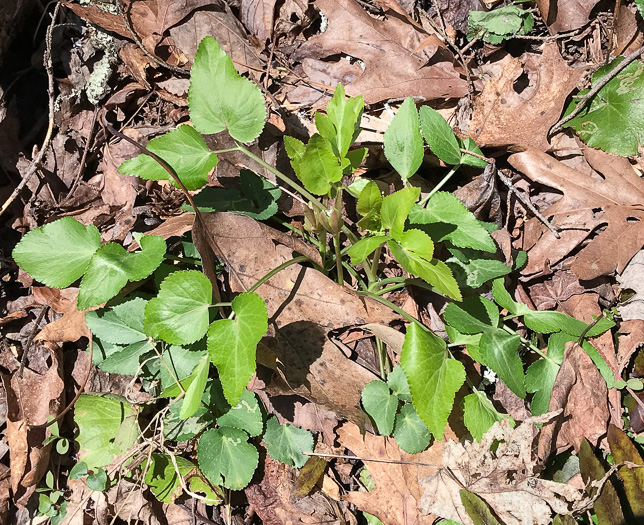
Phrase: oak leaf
(614, 201)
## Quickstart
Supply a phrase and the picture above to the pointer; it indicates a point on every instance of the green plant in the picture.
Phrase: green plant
(171, 339)
(51, 502)
(499, 24)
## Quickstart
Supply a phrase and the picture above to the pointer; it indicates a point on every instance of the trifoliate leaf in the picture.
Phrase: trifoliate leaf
(403, 142)
(246, 415)
(433, 271)
(398, 384)
(410, 433)
(57, 253)
(161, 476)
(341, 124)
(287, 443)
(184, 150)
(232, 343)
(499, 351)
(446, 218)
(472, 315)
(365, 247)
(100, 419)
(179, 313)
(220, 99)
(614, 119)
(111, 267)
(227, 458)
(395, 209)
(194, 392)
(439, 136)
(381, 405)
(120, 324)
(433, 378)
(256, 198)
(540, 375)
(479, 414)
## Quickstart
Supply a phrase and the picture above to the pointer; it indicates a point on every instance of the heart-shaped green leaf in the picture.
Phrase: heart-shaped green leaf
(287, 443)
(381, 405)
(227, 458)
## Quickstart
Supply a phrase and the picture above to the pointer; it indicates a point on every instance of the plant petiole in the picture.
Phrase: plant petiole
(438, 186)
(528, 344)
(278, 269)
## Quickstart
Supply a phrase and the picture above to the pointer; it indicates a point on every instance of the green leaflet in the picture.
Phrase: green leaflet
(246, 415)
(540, 376)
(365, 247)
(232, 343)
(499, 24)
(477, 509)
(227, 458)
(220, 99)
(433, 378)
(500, 352)
(184, 150)
(369, 205)
(398, 384)
(107, 426)
(287, 443)
(403, 141)
(395, 209)
(614, 119)
(439, 136)
(111, 267)
(472, 316)
(315, 164)
(194, 392)
(179, 313)
(57, 253)
(381, 405)
(447, 218)
(479, 414)
(410, 433)
(161, 476)
(121, 323)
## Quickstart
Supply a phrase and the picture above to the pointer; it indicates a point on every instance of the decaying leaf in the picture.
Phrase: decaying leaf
(614, 201)
(496, 120)
(402, 46)
(623, 449)
(632, 280)
(581, 394)
(548, 294)
(397, 493)
(565, 15)
(501, 478)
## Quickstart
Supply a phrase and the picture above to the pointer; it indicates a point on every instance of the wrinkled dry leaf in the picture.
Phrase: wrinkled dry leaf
(631, 338)
(495, 122)
(561, 286)
(394, 41)
(258, 16)
(397, 493)
(502, 478)
(581, 394)
(70, 327)
(588, 202)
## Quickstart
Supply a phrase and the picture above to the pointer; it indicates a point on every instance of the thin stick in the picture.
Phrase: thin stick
(373, 460)
(49, 68)
(595, 89)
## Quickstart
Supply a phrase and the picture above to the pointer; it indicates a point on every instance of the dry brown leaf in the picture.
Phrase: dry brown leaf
(631, 338)
(504, 116)
(258, 16)
(506, 478)
(580, 393)
(561, 286)
(5, 494)
(565, 15)
(392, 41)
(31, 400)
(397, 493)
(587, 203)
(632, 279)
(70, 327)
(275, 501)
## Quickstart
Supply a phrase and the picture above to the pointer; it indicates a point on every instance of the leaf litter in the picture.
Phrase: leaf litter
(385, 51)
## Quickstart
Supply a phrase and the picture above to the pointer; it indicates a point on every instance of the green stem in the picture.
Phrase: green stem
(372, 274)
(527, 343)
(278, 269)
(360, 280)
(304, 235)
(227, 150)
(385, 369)
(439, 185)
(336, 237)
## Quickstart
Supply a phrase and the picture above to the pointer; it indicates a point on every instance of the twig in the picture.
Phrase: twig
(137, 41)
(30, 340)
(49, 68)
(374, 460)
(595, 89)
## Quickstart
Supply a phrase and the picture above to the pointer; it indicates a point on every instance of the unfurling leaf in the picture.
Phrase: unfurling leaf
(220, 98)
(433, 377)
(341, 124)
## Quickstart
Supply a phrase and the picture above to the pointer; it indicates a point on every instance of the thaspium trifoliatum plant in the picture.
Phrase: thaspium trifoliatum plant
(173, 339)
